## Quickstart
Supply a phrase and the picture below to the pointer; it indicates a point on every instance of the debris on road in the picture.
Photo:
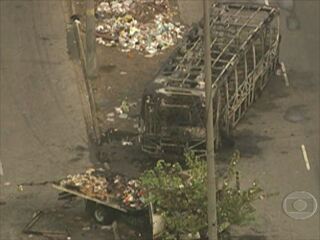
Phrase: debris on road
(7, 184)
(45, 233)
(86, 228)
(110, 117)
(20, 188)
(123, 116)
(125, 106)
(126, 143)
(145, 26)
(115, 231)
(106, 227)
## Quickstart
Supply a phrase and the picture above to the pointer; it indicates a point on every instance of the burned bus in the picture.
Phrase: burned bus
(245, 52)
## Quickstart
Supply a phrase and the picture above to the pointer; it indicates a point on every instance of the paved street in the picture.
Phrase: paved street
(43, 134)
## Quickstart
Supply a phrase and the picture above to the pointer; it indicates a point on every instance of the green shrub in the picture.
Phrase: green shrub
(180, 196)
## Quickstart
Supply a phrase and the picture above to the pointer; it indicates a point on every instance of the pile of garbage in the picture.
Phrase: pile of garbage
(94, 184)
(88, 184)
(143, 25)
(133, 195)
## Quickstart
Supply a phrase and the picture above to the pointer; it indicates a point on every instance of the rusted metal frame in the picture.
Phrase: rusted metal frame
(249, 7)
(194, 45)
(244, 44)
(216, 39)
(234, 24)
(236, 36)
(232, 60)
(181, 91)
(199, 39)
(254, 67)
(166, 105)
(249, 83)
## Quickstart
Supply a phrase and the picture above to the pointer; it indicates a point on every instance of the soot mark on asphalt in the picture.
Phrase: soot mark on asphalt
(80, 148)
(247, 142)
(108, 68)
(250, 237)
(296, 114)
(75, 159)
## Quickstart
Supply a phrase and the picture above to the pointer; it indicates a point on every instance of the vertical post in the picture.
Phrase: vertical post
(91, 60)
(212, 214)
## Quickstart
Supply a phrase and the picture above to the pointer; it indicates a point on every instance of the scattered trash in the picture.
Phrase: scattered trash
(106, 166)
(7, 184)
(123, 73)
(111, 115)
(36, 183)
(123, 116)
(145, 26)
(20, 188)
(126, 143)
(86, 228)
(125, 106)
(118, 110)
(106, 227)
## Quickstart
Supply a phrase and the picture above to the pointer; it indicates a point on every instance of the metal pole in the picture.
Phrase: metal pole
(91, 60)
(212, 214)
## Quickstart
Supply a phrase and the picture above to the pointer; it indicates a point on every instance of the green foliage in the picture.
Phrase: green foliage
(180, 196)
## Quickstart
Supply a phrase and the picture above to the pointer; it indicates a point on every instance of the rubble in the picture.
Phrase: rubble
(145, 26)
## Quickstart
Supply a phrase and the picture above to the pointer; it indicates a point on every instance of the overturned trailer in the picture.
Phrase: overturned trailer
(245, 52)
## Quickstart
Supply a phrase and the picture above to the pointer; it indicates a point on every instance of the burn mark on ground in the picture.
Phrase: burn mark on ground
(296, 114)
(108, 68)
(247, 142)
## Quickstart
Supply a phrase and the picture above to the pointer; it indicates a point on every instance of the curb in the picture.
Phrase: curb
(85, 88)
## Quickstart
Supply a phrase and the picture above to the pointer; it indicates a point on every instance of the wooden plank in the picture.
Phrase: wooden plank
(107, 203)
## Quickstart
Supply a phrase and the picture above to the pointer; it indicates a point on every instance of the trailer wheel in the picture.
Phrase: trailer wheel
(100, 213)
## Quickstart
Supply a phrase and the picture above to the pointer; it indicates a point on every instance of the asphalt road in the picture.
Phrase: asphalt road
(43, 134)
(271, 134)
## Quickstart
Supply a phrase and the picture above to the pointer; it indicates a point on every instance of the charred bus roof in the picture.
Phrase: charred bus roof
(233, 27)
